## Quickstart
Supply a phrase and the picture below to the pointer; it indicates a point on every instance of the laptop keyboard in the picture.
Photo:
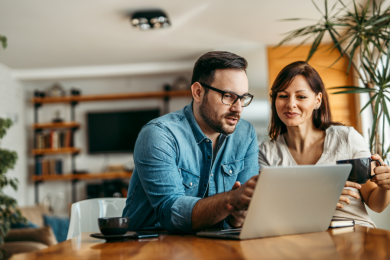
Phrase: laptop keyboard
(231, 233)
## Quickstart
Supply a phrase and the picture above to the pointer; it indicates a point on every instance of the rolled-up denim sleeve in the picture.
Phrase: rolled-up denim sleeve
(155, 158)
(182, 211)
(251, 164)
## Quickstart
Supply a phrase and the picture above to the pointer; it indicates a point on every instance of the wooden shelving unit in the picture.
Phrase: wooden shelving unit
(123, 96)
(56, 125)
(72, 125)
(86, 176)
(67, 150)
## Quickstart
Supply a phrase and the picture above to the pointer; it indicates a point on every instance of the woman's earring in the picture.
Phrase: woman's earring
(316, 108)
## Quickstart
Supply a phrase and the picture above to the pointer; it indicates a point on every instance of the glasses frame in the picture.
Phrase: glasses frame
(224, 92)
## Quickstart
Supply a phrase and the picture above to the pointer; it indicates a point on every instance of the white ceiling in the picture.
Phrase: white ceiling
(71, 33)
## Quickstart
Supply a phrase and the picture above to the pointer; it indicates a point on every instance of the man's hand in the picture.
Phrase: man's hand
(382, 178)
(240, 196)
(348, 192)
(211, 210)
(236, 217)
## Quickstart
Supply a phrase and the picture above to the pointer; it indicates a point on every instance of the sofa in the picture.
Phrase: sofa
(22, 240)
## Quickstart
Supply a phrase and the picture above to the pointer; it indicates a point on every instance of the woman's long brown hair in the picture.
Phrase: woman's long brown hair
(322, 117)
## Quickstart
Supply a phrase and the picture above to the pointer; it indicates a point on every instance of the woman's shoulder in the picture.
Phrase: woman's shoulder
(268, 144)
(347, 139)
(271, 147)
(271, 152)
(342, 132)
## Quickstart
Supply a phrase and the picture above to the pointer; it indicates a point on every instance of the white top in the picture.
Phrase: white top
(340, 143)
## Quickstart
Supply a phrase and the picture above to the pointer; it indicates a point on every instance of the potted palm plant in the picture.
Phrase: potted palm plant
(9, 213)
(362, 34)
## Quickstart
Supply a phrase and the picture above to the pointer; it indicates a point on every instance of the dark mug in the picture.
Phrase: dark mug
(113, 226)
(361, 169)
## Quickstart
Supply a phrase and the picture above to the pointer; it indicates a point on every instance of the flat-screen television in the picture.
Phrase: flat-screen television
(116, 131)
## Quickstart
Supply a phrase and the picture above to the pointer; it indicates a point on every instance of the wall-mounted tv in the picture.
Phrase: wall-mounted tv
(116, 131)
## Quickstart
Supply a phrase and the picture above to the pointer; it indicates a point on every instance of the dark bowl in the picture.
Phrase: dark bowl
(113, 226)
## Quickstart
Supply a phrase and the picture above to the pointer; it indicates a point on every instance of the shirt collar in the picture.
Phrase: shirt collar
(198, 134)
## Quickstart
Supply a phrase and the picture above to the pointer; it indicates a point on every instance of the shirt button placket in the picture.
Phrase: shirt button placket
(209, 151)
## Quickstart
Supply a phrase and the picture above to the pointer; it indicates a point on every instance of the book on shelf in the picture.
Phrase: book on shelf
(54, 139)
(341, 222)
(48, 167)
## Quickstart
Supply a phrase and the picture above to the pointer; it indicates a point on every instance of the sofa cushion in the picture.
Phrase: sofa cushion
(35, 213)
(42, 235)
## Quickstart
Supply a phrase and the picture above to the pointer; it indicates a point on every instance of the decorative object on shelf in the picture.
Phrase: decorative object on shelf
(167, 87)
(115, 168)
(75, 92)
(56, 90)
(39, 94)
(362, 35)
(150, 19)
(57, 117)
(80, 172)
(181, 83)
(9, 212)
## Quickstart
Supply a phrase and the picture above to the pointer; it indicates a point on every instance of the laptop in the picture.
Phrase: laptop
(290, 200)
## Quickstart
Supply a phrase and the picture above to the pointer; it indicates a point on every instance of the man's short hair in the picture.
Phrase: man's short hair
(207, 64)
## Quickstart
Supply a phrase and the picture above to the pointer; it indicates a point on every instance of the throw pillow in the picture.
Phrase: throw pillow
(60, 226)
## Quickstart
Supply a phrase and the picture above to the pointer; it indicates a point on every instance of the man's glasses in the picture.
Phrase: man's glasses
(230, 98)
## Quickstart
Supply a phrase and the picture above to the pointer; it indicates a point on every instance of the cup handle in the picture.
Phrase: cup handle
(380, 164)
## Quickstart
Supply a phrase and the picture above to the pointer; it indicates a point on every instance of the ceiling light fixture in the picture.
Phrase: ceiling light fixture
(150, 19)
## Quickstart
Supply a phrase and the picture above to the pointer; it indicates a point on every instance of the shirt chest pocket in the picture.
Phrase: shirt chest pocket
(230, 172)
(190, 182)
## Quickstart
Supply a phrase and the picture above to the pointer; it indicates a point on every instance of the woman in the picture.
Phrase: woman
(302, 132)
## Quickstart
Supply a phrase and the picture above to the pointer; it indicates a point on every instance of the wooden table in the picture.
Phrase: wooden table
(362, 243)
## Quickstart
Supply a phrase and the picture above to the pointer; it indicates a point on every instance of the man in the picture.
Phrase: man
(190, 164)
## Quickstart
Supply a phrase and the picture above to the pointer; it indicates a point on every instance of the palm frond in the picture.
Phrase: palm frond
(368, 103)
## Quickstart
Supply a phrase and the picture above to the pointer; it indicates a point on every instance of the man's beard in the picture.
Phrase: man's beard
(213, 120)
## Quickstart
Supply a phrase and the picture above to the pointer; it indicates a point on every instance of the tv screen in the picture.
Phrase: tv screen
(117, 131)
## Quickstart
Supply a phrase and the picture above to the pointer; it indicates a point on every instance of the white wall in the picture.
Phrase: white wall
(12, 106)
(85, 161)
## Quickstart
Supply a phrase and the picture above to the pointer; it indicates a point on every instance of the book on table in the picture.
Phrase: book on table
(342, 230)
(341, 222)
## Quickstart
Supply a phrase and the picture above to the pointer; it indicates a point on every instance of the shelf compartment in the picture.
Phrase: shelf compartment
(108, 97)
(71, 150)
(85, 176)
(56, 125)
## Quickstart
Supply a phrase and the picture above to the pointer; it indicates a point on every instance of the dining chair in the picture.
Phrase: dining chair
(84, 214)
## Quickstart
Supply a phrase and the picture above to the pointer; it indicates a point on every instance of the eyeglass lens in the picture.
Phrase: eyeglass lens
(229, 98)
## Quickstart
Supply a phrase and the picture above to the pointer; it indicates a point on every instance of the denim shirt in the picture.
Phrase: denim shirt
(173, 169)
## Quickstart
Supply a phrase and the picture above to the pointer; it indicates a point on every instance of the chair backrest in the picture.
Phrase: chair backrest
(84, 214)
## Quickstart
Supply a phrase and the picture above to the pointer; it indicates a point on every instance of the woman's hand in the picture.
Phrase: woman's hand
(348, 192)
(382, 178)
